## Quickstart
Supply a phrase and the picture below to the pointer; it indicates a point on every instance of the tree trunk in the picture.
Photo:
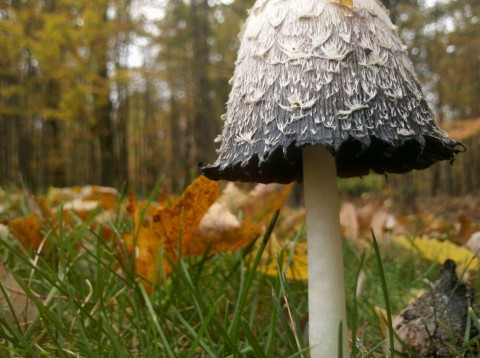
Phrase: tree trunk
(57, 166)
(104, 134)
(205, 126)
(104, 129)
(122, 138)
(177, 154)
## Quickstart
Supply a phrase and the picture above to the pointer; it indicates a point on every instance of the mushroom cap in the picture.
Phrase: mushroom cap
(331, 73)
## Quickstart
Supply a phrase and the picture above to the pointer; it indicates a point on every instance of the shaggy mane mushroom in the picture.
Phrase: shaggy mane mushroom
(324, 88)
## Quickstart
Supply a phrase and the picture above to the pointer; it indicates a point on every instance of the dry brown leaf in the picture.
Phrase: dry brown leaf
(221, 231)
(423, 223)
(194, 225)
(365, 215)
(83, 199)
(106, 197)
(181, 220)
(17, 304)
(28, 230)
(357, 223)
(467, 227)
(264, 200)
(233, 198)
(170, 229)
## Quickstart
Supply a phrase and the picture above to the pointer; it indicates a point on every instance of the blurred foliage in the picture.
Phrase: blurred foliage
(359, 185)
(131, 91)
(444, 43)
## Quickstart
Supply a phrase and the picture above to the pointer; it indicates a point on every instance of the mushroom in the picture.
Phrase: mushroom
(324, 88)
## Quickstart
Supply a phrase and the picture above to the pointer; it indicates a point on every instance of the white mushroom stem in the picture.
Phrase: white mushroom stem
(326, 291)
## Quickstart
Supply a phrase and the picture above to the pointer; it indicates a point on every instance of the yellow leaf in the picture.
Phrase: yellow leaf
(297, 260)
(440, 251)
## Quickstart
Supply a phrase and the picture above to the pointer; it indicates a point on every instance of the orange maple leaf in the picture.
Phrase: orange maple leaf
(28, 230)
(169, 229)
(221, 231)
(192, 225)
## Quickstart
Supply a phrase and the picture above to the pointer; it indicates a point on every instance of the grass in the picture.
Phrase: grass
(90, 304)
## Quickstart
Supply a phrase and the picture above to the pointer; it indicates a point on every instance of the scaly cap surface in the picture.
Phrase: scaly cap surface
(328, 72)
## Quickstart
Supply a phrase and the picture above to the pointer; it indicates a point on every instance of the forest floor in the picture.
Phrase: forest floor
(91, 272)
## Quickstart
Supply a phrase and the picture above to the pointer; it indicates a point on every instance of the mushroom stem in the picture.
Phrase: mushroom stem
(326, 291)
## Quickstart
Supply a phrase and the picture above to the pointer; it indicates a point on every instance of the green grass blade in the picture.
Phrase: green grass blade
(154, 319)
(271, 337)
(355, 308)
(385, 296)
(242, 299)
(255, 344)
(203, 328)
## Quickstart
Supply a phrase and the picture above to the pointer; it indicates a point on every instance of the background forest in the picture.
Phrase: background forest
(116, 92)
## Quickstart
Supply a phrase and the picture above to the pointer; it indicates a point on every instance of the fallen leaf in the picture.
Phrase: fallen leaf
(440, 251)
(294, 255)
(233, 198)
(264, 200)
(181, 220)
(106, 197)
(17, 304)
(81, 206)
(221, 231)
(467, 227)
(169, 230)
(82, 200)
(28, 230)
